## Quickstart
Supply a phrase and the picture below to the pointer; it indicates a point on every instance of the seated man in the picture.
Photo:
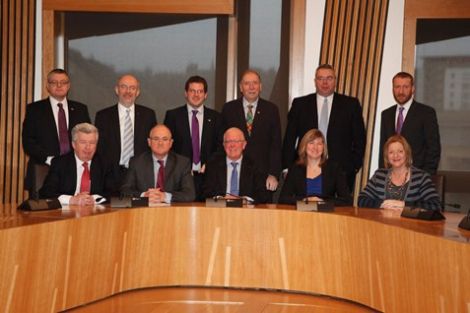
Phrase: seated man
(160, 175)
(234, 175)
(79, 177)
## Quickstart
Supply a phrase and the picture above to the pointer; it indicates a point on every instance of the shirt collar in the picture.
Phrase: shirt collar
(191, 109)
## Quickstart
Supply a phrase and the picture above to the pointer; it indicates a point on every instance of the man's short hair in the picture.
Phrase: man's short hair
(57, 71)
(404, 75)
(196, 79)
(250, 71)
(85, 128)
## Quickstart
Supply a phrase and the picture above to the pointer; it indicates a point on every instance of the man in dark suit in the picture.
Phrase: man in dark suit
(79, 177)
(260, 122)
(124, 127)
(337, 116)
(160, 175)
(195, 129)
(414, 121)
(47, 124)
(235, 175)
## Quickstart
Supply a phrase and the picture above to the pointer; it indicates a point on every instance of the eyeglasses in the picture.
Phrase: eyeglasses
(158, 139)
(125, 87)
(58, 83)
(233, 141)
(322, 79)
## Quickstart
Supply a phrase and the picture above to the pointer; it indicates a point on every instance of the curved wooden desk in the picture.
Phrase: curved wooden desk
(51, 261)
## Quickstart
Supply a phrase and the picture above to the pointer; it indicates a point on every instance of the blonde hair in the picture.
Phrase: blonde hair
(406, 148)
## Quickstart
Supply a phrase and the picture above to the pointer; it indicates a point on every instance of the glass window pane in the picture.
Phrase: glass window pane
(162, 54)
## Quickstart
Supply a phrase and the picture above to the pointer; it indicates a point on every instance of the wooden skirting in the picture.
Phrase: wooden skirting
(51, 261)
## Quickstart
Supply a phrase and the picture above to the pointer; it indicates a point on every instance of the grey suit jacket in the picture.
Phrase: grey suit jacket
(178, 180)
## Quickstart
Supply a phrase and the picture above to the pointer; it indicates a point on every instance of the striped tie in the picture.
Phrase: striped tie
(128, 140)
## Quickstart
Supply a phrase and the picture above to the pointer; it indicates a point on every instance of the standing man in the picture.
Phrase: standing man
(260, 122)
(47, 124)
(79, 177)
(195, 129)
(337, 116)
(124, 127)
(160, 175)
(234, 174)
(414, 121)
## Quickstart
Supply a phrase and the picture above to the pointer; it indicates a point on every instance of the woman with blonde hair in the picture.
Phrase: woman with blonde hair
(313, 176)
(399, 184)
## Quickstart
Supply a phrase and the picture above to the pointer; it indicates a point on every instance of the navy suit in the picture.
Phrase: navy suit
(62, 177)
(420, 129)
(264, 145)
(177, 120)
(109, 143)
(346, 137)
(251, 182)
(178, 180)
(40, 135)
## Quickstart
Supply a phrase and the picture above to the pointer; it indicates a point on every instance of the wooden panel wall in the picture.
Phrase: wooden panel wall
(17, 70)
(353, 39)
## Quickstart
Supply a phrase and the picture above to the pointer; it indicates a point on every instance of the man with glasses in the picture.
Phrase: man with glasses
(337, 116)
(161, 175)
(124, 127)
(195, 129)
(235, 175)
(47, 125)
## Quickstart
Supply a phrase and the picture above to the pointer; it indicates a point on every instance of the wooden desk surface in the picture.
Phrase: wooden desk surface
(53, 260)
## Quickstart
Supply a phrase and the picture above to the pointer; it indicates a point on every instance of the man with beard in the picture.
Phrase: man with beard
(414, 121)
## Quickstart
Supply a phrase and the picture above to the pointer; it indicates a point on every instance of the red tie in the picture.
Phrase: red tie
(85, 183)
(161, 176)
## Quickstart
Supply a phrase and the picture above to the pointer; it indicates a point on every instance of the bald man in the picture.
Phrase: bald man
(235, 174)
(121, 121)
(161, 175)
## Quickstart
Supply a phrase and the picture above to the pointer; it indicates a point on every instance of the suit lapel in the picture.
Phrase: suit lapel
(410, 116)
(206, 124)
(50, 121)
(170, 167)
(116, 129)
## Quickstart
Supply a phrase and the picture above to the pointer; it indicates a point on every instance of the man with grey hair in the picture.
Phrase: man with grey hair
(79, 177)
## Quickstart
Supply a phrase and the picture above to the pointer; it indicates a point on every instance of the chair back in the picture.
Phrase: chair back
(39, 175)
(439, 183)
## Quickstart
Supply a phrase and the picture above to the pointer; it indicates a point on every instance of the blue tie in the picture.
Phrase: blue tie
(234, 180)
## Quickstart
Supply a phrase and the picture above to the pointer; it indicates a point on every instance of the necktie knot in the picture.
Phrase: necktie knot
(195, 112)
(60, 105)
(85, 165)
(160, 162)
(234, 165)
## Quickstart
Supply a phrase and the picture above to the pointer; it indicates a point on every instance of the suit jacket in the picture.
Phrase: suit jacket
(251, 183)
(40, 136)
(334, 186)
(346, 137)
(264, 144)
(178, 180)
(420, 129)
(109, 143)
(177, 120)
(62, 177)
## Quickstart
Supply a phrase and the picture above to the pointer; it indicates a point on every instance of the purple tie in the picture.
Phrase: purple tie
(400, 120)
(195, 138)
(63, 131)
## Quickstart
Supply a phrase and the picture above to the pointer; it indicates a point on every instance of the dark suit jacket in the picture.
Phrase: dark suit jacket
(420, 129)
(334, 186)
(62, 177)
(109, 143)
(178, 180)
(252, 182)
(177, 120)
(346, 138)
(264, 144)
(40, 136)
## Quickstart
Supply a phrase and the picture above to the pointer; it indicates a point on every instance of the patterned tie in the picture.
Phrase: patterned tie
(400, 120)
(63, 131)
(195, 138)
(161, 176)
(323, 124)
(249, 119)
(234, 180)
(85, 182)
(128, 139)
